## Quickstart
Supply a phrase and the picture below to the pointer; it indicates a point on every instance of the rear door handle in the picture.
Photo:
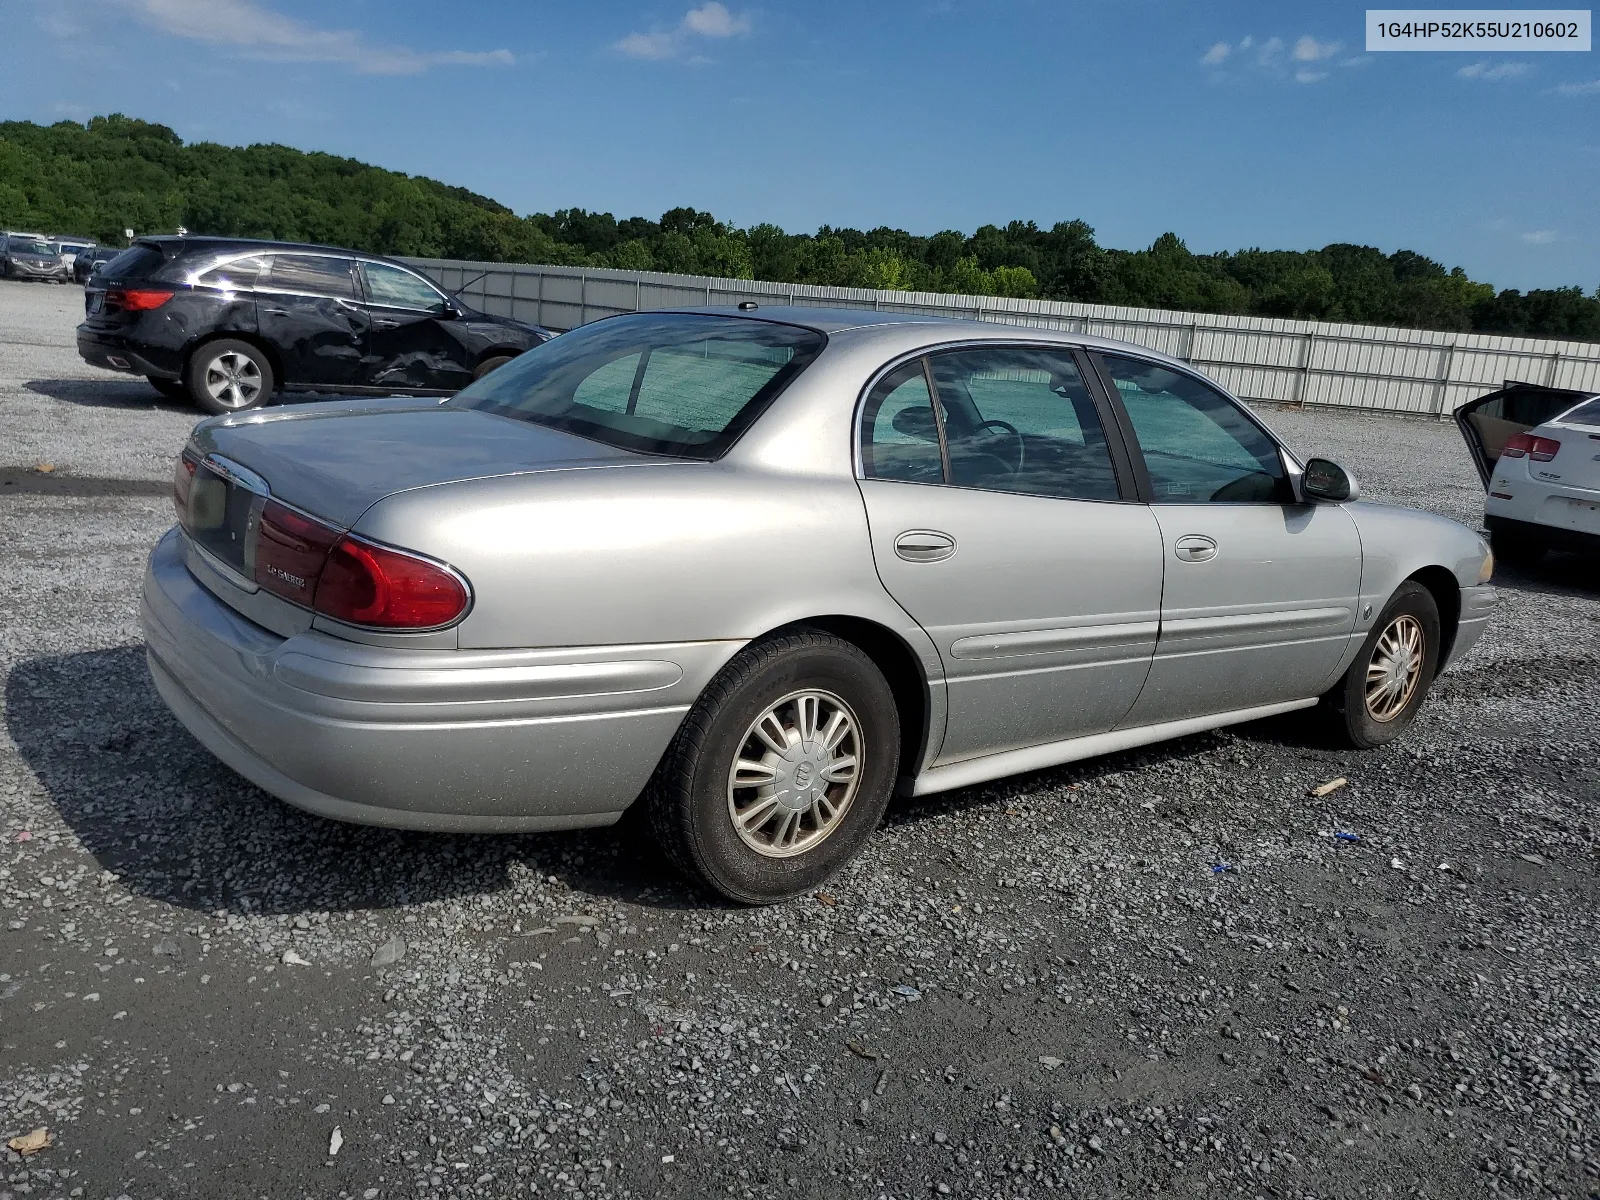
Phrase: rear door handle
(924, 545)
(1195, 547)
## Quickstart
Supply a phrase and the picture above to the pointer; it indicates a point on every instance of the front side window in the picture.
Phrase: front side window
(314, 274)
(899, 433)
(1019, 419)
(394, 288)
(1198, 446)
(663, 383)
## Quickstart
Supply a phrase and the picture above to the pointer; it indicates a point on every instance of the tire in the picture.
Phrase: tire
(1518, 549)
(491, 364)
(228, 376)
(694, 796)
(172, 389)
(1366, 722)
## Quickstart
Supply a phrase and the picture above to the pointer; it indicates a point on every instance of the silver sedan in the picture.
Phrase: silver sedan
(757, 569)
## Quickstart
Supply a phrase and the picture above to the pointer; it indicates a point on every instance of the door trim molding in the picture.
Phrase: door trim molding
(1053, 754)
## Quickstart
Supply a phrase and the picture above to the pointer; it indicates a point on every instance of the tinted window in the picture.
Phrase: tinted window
(1586, 414)
(676, 383)
(311, 273)
(1019, 419)
(400, 289)
(1198, 446)
(134, 263)
(899, 436)
(239, 273)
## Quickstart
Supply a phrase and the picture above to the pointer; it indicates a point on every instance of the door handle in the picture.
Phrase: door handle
(1195, 547)
(924, 545)
(380, 323)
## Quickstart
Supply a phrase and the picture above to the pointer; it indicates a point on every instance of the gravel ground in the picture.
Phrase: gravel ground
(1036, 987)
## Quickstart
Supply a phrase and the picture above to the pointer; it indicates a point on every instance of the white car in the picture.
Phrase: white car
(1538, 450)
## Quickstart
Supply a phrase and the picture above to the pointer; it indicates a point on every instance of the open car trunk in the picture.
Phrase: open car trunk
(1489, 422)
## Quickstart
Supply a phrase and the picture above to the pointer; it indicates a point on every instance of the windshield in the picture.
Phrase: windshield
(662, 383)
(29, 246)
(1586, 414)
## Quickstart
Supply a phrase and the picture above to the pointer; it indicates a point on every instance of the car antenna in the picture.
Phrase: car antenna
(471, 281)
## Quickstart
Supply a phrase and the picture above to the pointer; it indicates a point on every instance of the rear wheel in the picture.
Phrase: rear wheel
(1386, 685)
(491, 364)
(228, 376)
(1516, 549)
(781, 771)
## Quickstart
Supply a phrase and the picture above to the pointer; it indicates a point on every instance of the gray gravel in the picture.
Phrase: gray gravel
(1037, 987)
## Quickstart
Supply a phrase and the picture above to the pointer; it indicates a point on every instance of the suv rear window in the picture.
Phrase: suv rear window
(1586, 414)
(135, 262)
(663, 383)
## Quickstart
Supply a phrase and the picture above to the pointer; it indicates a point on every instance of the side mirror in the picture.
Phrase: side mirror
(450, 312)
(1327, 480)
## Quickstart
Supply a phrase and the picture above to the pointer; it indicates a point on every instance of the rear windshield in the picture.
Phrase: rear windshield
(663, 383)
(134, 263)
(1586, 414)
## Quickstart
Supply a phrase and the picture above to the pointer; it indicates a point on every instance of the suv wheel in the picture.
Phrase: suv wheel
(1386, 685)
(491, 364)
(228, 376)
(781, 771)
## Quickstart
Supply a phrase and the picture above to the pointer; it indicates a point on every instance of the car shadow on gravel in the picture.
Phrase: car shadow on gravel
(177, 826)
(1556, 574)
(112, 391)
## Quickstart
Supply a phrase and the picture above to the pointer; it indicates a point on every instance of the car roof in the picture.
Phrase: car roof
(216, 242)
(868, 321)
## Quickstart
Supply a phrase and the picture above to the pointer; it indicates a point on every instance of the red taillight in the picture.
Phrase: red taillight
(1540, 449)
(367, 584)
(182, 478)
(136, 299)
(291, 550)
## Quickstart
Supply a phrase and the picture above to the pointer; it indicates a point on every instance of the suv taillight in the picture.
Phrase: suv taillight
(1540, 449)
(136, 299)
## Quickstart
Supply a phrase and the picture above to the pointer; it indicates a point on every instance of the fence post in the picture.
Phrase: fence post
(1188, 344)
(583, 297)
(1550, 371)
(1305, 370)
(638, 293)
(1443, 386)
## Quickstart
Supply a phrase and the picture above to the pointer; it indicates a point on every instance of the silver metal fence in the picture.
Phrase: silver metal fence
(1306, 363)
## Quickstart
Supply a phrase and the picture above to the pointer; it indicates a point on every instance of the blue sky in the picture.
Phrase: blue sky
(1231, 124)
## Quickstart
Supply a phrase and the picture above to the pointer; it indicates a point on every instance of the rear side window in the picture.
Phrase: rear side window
(136, 262)
(899, 433)
(236, 273)
(681, 384)
(1586, 414)
(312, 274)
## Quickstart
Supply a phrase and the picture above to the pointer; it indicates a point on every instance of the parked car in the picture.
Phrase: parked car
(226, 322)
(30, 256)
(1538, 452)
(761, 569)
(69, 248)
(90, 260)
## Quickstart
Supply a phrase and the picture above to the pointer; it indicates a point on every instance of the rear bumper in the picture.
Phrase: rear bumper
(1554, 537)
(490, 741)
(113, 352)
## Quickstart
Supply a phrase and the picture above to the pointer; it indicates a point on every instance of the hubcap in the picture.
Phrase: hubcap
(1395, 668)
(233, 380)
(796, 774)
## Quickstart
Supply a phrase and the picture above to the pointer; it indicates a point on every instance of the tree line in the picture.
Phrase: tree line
(116, 172)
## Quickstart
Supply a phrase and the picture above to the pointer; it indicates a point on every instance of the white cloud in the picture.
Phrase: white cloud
(1269, 51)
(1482, 70)
(262, 33)
(710, 20)
(713, 20)
(1539, 237)
(1308, 49)
(1579, 89)
(1217, 54)
(1306, 75)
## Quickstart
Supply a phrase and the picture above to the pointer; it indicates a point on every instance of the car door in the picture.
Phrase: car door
(1000, 522)
(413, 342)
(306, 306)
(1260, 591)
(1489, 422)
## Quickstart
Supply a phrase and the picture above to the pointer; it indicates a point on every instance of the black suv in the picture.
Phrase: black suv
(226, 322)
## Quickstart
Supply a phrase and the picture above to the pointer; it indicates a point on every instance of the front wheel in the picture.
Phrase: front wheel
(1386, 685)
(228, 376)
(781, 771)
